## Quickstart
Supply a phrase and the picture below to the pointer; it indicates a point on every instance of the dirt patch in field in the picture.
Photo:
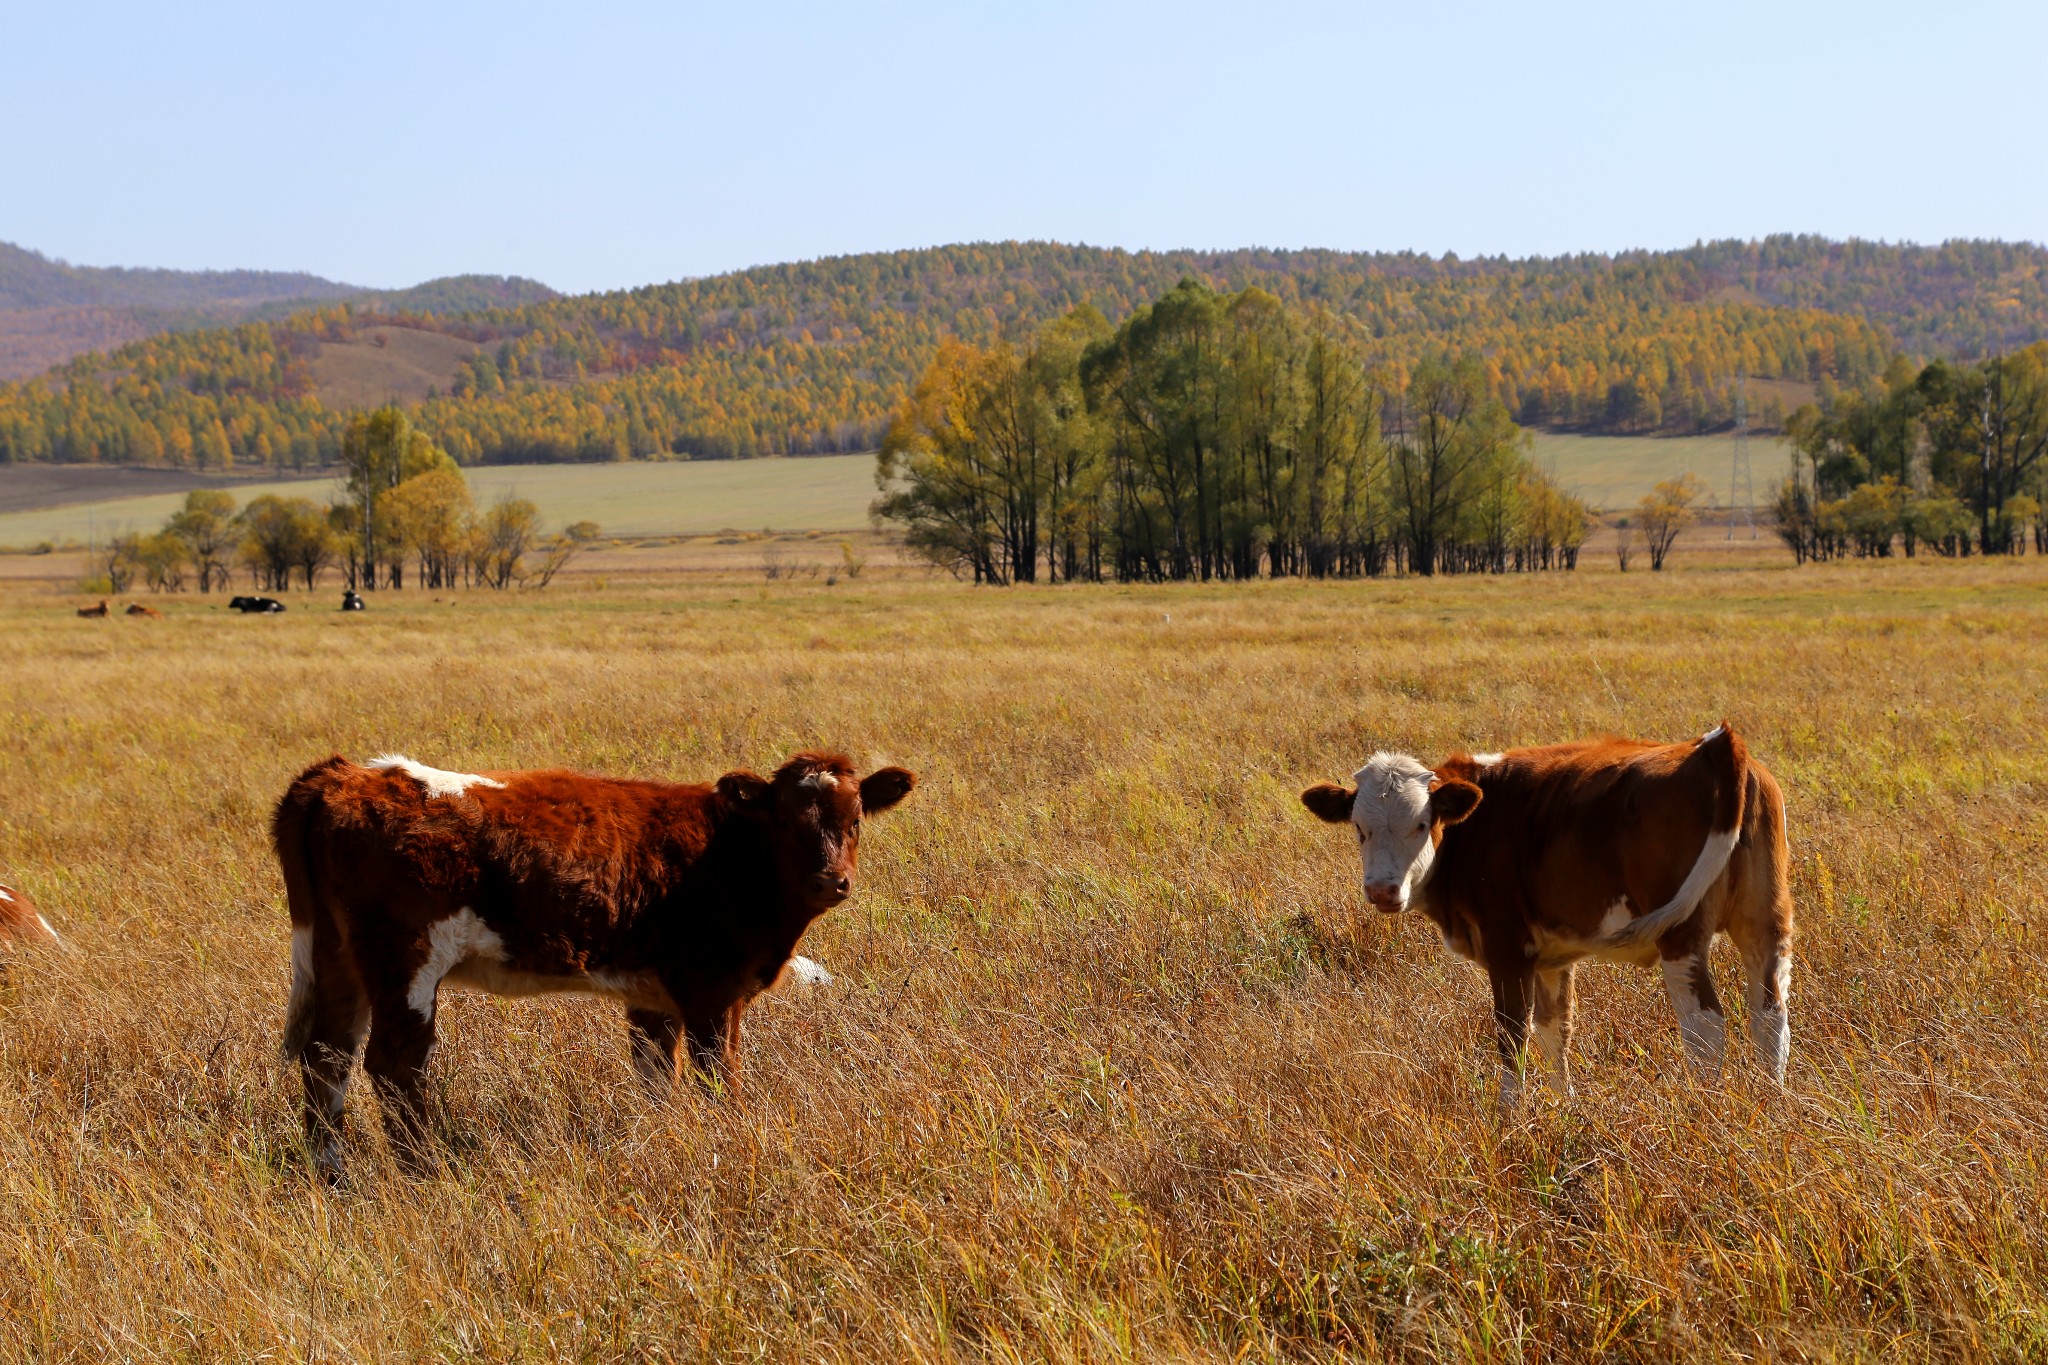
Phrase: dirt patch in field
(387, 365)
(33, 487)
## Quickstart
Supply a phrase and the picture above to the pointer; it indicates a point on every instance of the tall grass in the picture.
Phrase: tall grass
(1116, 1070)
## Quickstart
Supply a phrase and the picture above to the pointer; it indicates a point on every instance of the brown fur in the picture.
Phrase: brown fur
(100, 610)
(137, 609)
(697, 894)
(22, 927)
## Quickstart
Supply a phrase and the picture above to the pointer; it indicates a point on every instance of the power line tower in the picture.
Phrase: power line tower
(1741, 495)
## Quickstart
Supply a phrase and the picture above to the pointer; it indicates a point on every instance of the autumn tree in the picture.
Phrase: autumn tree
(283, 535)
(379, 451)
(430, 517)
(502, 536)
(207, 526)
(1452, 442)
(1666, 511)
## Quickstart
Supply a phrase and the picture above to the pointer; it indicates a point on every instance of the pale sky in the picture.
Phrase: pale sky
(602, 145)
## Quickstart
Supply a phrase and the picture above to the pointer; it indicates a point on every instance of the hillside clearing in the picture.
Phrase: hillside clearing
(382, 365)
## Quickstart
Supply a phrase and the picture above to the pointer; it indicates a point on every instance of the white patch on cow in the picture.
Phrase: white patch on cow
(300, 1003)
(4, 896)
(1487, 760)
(818, 781)
(1713, 734)
(437, 781)
(1616, 919)
(461, 940)
(801, 971)
(1770, 1027)
(1711, 863)
(1703, 1029)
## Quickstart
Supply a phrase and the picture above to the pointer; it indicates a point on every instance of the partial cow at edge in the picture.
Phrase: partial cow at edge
(22, 926)
(681, 902)
(1531, 860)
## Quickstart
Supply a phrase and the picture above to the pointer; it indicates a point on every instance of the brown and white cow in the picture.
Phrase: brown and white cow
(22, 926)
(681, 902)
(1616, 849)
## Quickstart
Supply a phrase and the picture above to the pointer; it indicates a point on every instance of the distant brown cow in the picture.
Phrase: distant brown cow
(137, 609)
(1529, 860)
(22, 927)
(680, 902)
(100, 610)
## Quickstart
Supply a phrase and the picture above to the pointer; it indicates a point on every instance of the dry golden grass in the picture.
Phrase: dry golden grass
(388, 365)
(1112, 1073)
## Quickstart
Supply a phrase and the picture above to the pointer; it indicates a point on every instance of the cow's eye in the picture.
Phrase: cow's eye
(1422, 828)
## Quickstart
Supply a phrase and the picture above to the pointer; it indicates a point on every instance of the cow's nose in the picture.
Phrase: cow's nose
(1385, 899)
(833, 884)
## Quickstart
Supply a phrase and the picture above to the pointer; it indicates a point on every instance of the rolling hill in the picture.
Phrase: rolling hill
(814, 357)
(51, 310)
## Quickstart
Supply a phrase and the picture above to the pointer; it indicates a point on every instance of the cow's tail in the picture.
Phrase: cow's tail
(1726, 759)
(290, 834)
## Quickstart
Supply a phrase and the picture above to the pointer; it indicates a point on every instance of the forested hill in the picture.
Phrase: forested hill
(816, 356)
(51, 310)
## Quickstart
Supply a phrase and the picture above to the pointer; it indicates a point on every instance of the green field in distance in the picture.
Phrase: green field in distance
(828, 492)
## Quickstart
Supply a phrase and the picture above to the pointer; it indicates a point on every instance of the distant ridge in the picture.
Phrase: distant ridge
(29, 279)
(51, 310)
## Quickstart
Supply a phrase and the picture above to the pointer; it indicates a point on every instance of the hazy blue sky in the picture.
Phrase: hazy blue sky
(601, 145)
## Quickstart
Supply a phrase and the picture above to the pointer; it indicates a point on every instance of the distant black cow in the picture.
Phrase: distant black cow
(351, 600)
(249, 604)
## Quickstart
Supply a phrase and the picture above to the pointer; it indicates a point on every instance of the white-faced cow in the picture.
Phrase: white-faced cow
(681, 902)
(1530, 860)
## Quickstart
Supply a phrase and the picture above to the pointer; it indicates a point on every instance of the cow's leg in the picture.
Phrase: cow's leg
(714, 1047)
(1512, 989)
(655, 1035)
(1768, 979)
(403, 1000)
(1690, 984)
(1760, 922)
(340, 1017)
(1555, 1001)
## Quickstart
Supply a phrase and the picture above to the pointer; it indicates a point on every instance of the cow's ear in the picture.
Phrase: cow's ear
(1330, 802)
(884, 787)
(749, 793)
(1452, 800)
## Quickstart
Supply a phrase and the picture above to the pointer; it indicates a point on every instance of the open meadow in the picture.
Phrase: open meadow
(1116, 1067)
(68, 504)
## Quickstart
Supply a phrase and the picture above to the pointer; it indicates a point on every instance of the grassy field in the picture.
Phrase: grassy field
(42, 503)
(1614, 472)
(829, 492)
(1116, 1070)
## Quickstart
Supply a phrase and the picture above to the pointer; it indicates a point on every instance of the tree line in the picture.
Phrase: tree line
(816, 357)
(404, 505)
(1214, 436)
(1951, 457)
